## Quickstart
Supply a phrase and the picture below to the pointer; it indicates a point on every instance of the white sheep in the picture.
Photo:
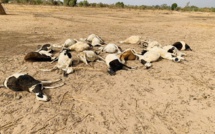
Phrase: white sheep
(132, 40)
(150, 44)
(92, 36)
(69, 42)
(111, 48)
(97, 42)
(80, 46)
(89, 56)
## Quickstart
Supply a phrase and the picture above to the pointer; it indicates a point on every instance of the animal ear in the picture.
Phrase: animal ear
(143, 52)
(171, 50)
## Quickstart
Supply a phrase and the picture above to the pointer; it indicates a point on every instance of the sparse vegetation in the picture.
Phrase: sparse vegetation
(85, 3)
(120, 4)
(71, 3)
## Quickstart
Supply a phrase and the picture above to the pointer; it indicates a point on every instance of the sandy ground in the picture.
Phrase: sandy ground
(170, 98)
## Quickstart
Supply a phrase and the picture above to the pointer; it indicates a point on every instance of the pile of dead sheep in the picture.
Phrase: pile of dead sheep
(89, 50)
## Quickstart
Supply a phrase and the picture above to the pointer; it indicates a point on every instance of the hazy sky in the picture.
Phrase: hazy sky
(181, 3)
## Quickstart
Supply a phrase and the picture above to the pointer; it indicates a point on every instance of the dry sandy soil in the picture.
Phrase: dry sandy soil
(170, 98)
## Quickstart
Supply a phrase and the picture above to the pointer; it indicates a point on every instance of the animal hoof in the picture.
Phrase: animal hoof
(18, 97)
(112, 73)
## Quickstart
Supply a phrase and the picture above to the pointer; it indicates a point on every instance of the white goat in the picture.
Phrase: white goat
(25, 82)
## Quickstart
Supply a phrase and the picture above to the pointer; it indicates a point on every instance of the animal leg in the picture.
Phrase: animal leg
(49, 70)
(51, 87)
(130, 68)
(49, 82)
(54, 59)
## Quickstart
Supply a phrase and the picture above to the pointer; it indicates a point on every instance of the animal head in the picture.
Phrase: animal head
(143, 52)
(69, 42)
(146, 64)
(67, 53)
(45, 47)
(42, 97)
(173, 51)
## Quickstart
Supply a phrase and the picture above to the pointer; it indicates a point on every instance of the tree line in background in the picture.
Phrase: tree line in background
(85, 3)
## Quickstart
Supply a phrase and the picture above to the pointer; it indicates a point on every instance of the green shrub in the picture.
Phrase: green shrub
(120, 4)
(174, 6)
(84, 3)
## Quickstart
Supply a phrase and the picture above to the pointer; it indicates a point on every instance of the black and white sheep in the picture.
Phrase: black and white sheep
(25, 82)
(154, 54)
(114, 64)
(44, 53)
(63, 63)
(147, 57)
(166, 55)
(181, 45)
